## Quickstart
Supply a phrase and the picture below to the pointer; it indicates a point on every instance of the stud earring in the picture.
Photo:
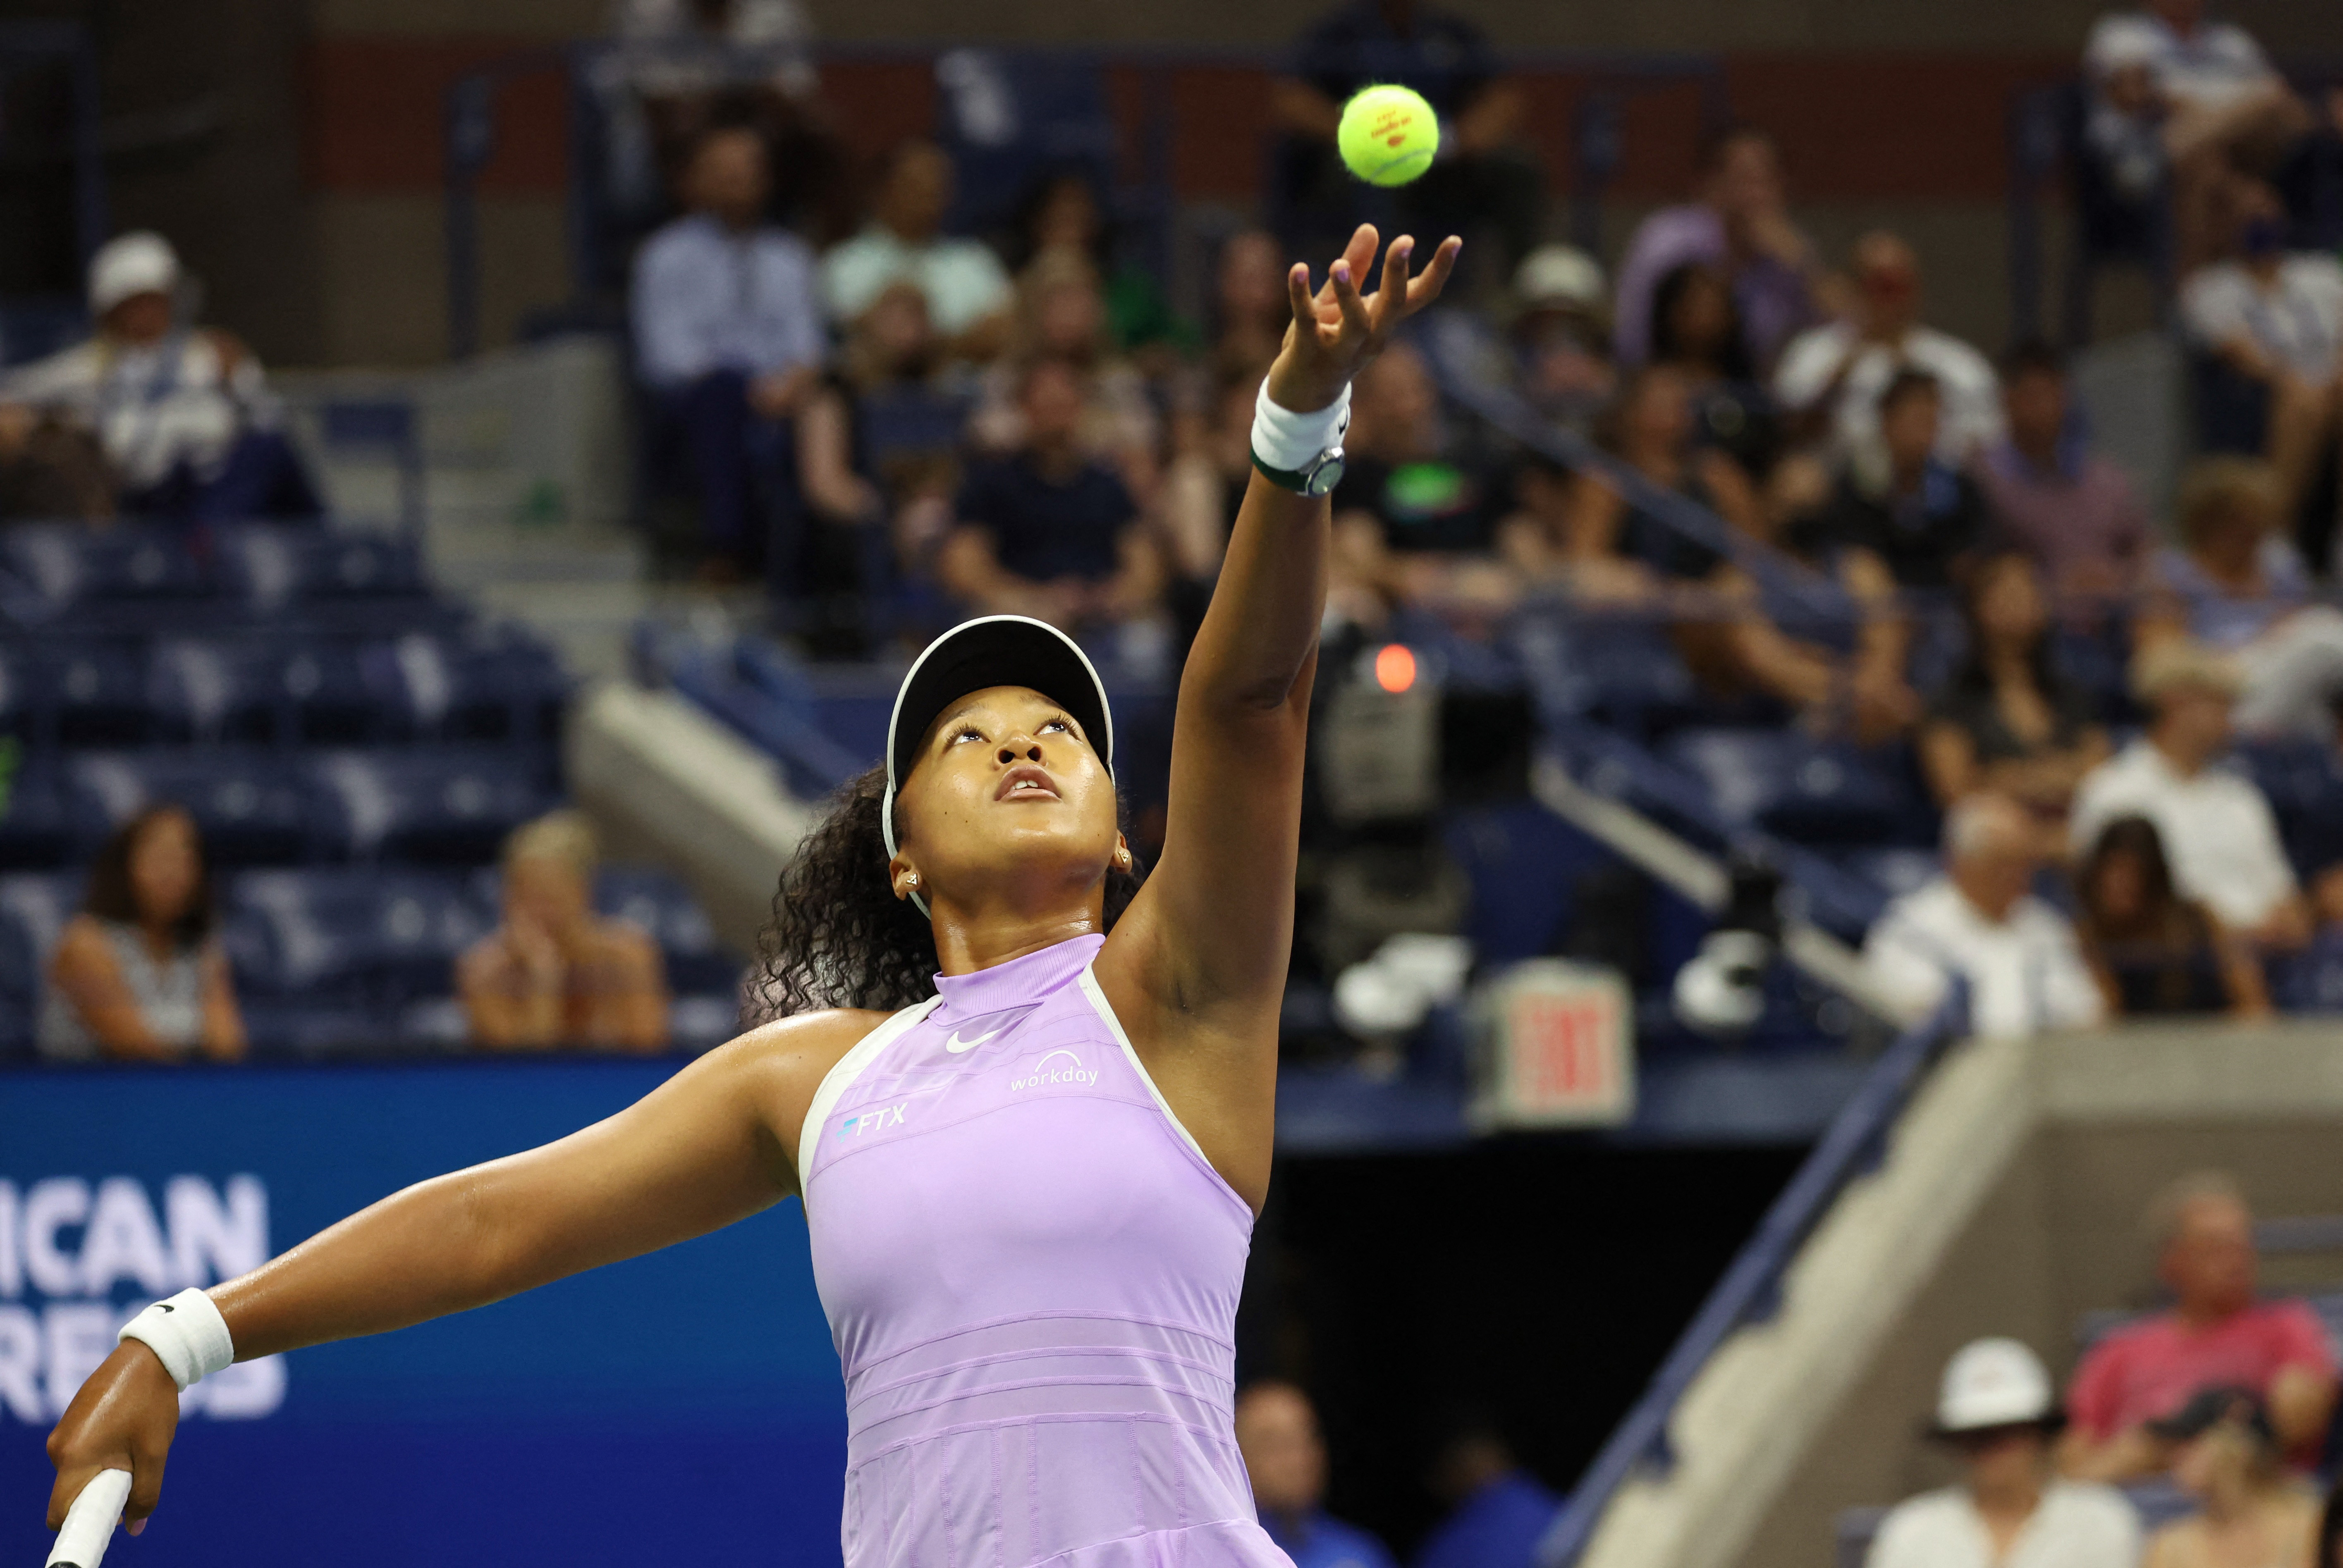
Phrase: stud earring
(912, 880)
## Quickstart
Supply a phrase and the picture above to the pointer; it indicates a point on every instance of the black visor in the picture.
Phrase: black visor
(993, 650)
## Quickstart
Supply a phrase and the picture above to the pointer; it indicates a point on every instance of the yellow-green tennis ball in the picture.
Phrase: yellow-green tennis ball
(1388, 135)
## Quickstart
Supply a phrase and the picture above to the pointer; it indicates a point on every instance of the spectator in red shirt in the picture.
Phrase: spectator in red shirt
(2216, 1334)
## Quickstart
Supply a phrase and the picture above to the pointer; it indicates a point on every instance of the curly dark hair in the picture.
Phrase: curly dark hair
(840, 937)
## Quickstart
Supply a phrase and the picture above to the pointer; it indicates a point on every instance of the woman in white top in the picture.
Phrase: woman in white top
(138, 976)
(1996, 1408)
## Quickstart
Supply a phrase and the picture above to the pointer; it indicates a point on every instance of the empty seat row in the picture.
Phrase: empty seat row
(48, 569)
(480, 684)
(442, 805)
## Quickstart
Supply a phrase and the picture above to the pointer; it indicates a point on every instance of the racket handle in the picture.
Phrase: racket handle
(90, 1521)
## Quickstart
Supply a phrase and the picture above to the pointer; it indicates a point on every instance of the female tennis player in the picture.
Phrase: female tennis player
(1030, 1190)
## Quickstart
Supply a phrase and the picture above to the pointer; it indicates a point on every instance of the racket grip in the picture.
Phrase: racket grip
(90, 1521)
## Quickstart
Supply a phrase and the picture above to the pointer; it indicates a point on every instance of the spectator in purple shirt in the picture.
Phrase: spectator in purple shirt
(1738, 223)
(2070, 508)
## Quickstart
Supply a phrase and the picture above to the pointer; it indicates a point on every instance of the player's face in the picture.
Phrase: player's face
(1007, 803)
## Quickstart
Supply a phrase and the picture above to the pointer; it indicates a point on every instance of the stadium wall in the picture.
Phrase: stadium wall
(2009, 1205)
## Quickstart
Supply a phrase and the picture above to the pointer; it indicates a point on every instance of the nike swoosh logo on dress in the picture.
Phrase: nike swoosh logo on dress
(956, 1044)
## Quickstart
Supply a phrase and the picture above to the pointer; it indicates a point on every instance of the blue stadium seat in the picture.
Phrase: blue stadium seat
(270, 567)
(1525, 865)
(20, 708)
(251, 809)
(37, 828)
(1893, 871)
(382, 937)
(34, 910)
(2304, 781)
(301, 1029)
(64, 564)
(1810, 791)
(442, 806)
(696, 960)
(1011, 116)
(210, 691)
(94, 693)
(485, 683)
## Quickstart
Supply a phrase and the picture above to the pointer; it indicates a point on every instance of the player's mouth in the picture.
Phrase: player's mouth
(1026, 783)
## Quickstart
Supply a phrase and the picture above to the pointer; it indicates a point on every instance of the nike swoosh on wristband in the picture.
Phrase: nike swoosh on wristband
(956, 1044)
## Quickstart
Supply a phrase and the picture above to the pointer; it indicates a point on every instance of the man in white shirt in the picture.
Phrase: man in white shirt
(2217, 828)
(965, 287)
(1996, 1407)
(1977, 922)
(2172, 90)
(183, 414)
(1832, 375)
(729, 337)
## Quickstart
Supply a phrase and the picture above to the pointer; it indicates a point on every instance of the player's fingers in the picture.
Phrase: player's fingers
(1355, 320)
(1426, 288)
(1391, 293)
(1361, 252)
(1297, 294)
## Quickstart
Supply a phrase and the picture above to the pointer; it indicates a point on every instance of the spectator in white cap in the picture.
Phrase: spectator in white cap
(183, 414)
(1996, 1408)
(1561, 334)
(1979, 921)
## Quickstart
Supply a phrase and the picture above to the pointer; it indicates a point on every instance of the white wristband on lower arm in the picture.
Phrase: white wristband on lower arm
(187, 1333)
(1285, 439)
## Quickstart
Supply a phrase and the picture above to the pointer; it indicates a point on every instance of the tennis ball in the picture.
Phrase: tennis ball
(1388, 135)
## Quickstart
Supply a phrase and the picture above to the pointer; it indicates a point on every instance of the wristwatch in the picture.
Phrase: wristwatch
(1316, 478)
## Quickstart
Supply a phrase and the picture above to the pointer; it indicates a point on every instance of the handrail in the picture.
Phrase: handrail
(1751, 1287)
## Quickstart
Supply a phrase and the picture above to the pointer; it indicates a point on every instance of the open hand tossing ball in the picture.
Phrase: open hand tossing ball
(1388, 135)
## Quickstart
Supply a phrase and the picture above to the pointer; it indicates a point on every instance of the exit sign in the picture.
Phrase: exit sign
(1557, 1047)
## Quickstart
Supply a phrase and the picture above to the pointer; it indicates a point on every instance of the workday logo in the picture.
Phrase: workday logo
(1060, 1068)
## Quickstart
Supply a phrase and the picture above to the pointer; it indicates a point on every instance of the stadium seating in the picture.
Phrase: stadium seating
(352, 747)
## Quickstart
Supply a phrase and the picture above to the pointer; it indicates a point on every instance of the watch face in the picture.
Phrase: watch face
(1324, 475)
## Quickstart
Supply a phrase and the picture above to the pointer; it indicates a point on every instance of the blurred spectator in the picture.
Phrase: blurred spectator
(1996, 1408)
(729, 337)
(1203, 488)
(1498, 1511)
(184, 415)
(1047, 531)
(555, 973)
(1561, 335)
(2069, 507)
(1832, 376)
(51, 469)
(2236, 586)
(1251, 306)
(138, 975)
(1739, 224)
(2152, 950)
(681, 67)
(1062, 316)
(1417, 512)
(1696, 332)
(1978, 922)
(2172, 92)
(968, 293)
(2215, 1335)
(1277, 1433)
(2271, 320)
(1062, 219)
(2009, 721)
(2214, 821)
(2250, 1510)
(1900, 501)
(1481, 180)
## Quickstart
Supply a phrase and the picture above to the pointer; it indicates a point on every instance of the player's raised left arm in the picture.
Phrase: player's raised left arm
(1217, 913)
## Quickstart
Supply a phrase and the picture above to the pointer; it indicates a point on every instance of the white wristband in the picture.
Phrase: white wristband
(1290, 441)
(189, 1335)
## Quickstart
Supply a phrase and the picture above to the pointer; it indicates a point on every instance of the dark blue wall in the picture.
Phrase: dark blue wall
(691, 1397)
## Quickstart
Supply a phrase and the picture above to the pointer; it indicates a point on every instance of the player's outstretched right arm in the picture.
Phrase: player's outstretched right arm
(715, 1144)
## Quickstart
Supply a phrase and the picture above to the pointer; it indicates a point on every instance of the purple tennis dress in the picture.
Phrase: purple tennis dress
(1031, 1275)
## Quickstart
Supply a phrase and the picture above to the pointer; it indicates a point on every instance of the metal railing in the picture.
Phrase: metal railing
(1751, 1289)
